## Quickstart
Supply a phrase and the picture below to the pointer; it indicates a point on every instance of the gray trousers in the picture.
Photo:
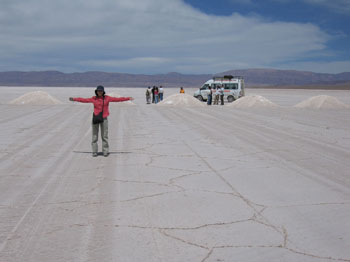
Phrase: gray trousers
(148, 99)
(216, 100)
(104, 137)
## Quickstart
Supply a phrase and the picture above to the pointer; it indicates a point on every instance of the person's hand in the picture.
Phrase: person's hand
(131, 98)
(71, 99)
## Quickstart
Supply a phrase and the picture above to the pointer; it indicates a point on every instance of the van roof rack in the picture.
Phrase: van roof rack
(227, 77)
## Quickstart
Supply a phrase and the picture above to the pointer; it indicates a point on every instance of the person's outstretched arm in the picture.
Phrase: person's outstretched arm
(120, 99)
(81, 100)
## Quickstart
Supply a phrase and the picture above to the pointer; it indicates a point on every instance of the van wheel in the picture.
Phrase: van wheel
(200, 98)
(230, 99)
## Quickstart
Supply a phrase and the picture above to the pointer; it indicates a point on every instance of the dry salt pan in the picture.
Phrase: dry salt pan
(36, 98)
(252, 102)
(181, 100)
(322, 102)
(114, 94)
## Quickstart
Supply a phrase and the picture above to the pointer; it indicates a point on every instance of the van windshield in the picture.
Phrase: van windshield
(216, 86)
(204, 87)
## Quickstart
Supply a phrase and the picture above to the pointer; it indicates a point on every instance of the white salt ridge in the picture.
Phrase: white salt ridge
(252, 102)
(36, 98)
(115, 94)
(181, 100)
(322, 102)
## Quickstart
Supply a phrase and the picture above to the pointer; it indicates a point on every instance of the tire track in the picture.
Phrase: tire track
(325, 156)
(51, 179)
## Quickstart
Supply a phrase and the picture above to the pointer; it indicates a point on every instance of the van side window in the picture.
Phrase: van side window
(231, 86)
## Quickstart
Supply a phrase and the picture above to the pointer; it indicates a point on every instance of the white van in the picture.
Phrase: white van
(233, 87)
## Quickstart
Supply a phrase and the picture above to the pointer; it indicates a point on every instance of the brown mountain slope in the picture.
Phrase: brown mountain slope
(253, 77)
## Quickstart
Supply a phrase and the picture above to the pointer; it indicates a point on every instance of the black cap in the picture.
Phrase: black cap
(100, 88)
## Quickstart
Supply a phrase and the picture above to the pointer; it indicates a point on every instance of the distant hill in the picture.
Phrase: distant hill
(253, 77)
(55, 78)
(273, 77)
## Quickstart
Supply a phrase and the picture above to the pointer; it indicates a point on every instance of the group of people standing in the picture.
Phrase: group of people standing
(154, 94)
(216, 93)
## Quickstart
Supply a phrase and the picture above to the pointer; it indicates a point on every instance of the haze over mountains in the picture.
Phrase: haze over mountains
(253, 77)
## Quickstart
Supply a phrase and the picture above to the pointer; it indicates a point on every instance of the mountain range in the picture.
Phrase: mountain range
(253, 78)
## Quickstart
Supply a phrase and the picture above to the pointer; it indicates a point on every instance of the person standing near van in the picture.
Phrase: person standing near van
(210, 96)
(148, 95)
(217, 94)
(101, 105)
(222, 94)
(161, 92)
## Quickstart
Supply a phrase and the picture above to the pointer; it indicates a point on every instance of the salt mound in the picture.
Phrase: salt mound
(36, 98)
(115, 94)
(180, 100)
(322, 102)
(252, 101)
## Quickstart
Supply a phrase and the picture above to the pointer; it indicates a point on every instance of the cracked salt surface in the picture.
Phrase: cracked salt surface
(195, 185)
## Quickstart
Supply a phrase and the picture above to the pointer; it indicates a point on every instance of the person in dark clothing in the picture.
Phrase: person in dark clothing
(153, 89)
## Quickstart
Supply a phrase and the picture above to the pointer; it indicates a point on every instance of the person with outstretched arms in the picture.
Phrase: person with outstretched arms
(100, 117)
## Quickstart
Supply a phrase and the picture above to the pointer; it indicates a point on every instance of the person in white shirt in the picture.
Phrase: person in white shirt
(161, 92)
(222, 95)
(216, 95)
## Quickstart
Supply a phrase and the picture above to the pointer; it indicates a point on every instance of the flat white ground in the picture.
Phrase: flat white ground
(181, 183)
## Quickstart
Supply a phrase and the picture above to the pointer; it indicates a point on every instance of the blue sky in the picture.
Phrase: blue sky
(333, 17)
(186, 36)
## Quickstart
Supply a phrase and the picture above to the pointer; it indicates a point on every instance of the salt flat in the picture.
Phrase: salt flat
(182, 183)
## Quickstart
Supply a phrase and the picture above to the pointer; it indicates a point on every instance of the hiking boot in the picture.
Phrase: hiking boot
(94, 154)
(105, 154)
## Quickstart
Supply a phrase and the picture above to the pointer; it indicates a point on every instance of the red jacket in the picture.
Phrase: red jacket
(98, 101)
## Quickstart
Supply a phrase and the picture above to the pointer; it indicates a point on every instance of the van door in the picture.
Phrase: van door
(204, 91)
(231, 91)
